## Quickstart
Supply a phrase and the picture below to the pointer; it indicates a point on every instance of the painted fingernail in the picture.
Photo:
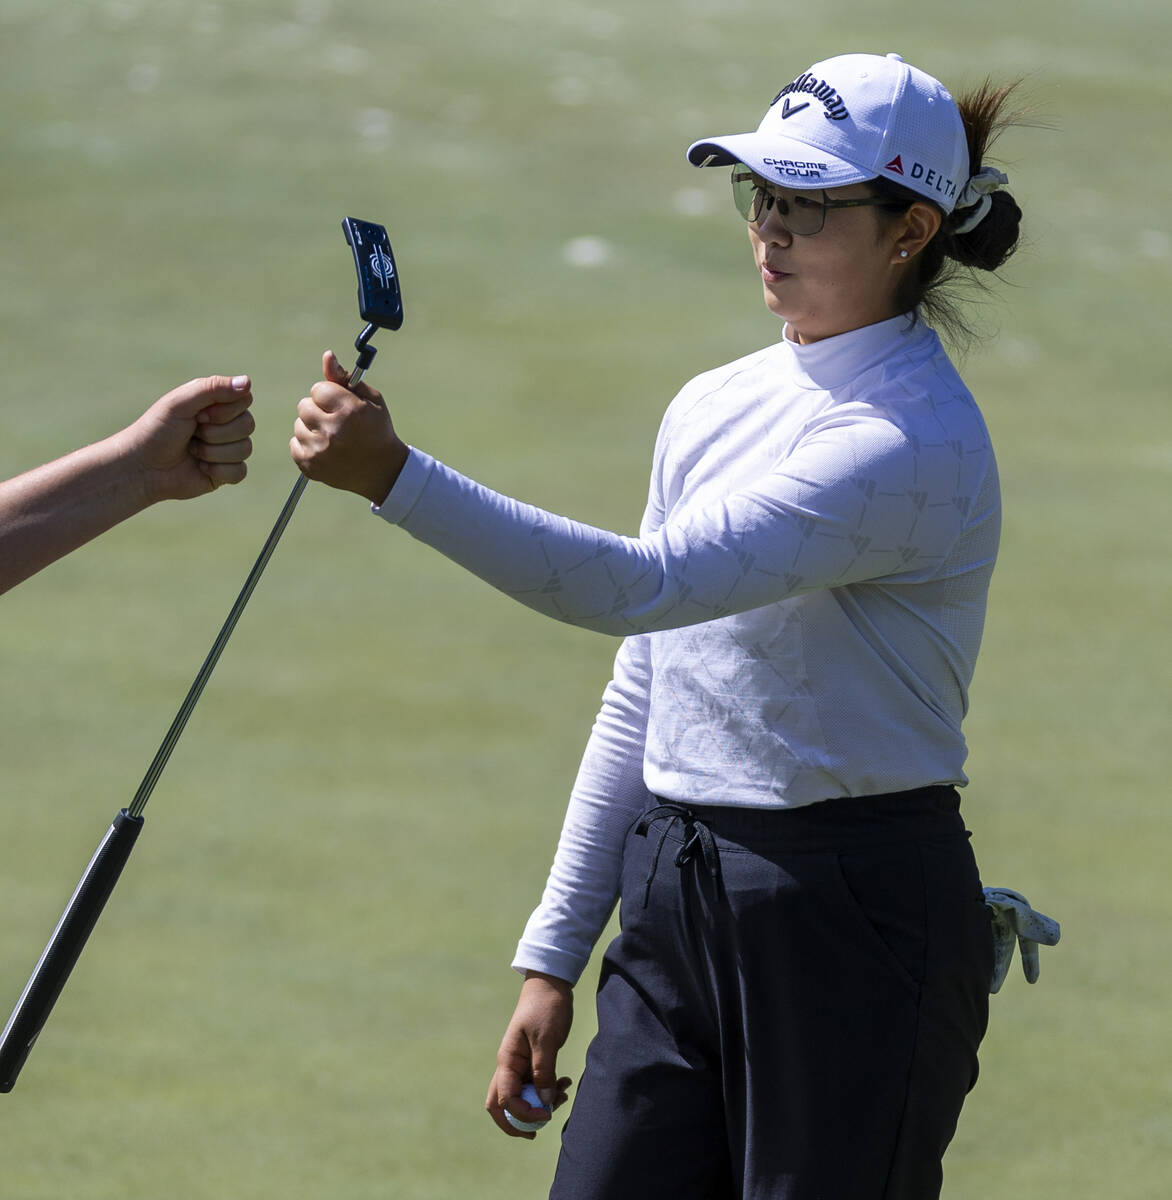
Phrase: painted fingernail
(239, 382)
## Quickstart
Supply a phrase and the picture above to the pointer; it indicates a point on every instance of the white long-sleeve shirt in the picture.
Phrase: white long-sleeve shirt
(801, 610)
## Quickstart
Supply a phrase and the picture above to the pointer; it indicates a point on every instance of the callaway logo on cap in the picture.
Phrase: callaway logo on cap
(853, 118)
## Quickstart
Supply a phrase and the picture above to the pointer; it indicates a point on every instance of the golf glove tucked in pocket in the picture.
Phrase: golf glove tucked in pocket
(1016, 923)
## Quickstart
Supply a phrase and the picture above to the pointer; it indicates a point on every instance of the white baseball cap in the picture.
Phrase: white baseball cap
(853, 118)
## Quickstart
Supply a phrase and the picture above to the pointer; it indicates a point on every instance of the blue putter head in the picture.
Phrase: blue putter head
(380, 303)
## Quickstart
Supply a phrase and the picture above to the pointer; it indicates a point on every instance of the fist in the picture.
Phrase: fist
(345, 438)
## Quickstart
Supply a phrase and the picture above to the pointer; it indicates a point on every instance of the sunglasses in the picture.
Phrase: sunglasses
(800, 213)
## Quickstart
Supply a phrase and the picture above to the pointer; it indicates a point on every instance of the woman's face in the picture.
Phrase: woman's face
(830, 282)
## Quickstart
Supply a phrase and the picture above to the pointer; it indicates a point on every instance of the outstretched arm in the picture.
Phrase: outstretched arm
(853, 499)
(186, 444)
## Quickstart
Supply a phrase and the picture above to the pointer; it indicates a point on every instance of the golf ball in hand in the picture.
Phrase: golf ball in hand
(530, 1096)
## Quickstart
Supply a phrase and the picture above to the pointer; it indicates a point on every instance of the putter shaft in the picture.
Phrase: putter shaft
(209, 663)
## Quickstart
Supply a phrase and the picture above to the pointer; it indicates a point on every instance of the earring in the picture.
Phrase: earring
(903, 254)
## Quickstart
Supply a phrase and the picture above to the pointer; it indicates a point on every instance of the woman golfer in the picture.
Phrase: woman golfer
(794, 1004)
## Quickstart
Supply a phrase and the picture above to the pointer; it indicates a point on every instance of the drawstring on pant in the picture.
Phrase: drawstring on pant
(697, 836)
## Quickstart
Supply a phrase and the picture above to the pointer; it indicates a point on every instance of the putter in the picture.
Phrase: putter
(380, 305)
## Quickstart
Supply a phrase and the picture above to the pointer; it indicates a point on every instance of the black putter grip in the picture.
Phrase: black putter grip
(73, 930)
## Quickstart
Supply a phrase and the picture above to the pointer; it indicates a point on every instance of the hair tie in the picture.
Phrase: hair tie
(976, 195)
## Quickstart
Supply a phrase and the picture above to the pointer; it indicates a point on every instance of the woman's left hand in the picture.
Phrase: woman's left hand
(345, 438)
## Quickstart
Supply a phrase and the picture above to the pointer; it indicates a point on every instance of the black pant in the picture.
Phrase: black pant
(793, 1007)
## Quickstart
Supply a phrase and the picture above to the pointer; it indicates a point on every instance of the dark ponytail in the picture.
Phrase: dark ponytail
(951, 258)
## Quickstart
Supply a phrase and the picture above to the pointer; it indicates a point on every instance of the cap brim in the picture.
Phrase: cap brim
(780, 160)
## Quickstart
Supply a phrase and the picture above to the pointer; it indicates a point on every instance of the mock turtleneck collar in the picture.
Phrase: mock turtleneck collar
(833, 361)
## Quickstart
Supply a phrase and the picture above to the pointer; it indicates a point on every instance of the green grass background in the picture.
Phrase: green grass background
(298, 987)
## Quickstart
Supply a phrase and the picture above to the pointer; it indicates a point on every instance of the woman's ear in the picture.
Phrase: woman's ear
(920, 223)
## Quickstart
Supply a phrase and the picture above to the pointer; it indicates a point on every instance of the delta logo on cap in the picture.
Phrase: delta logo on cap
(925, 178)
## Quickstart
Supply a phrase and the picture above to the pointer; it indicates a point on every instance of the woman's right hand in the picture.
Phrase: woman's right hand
(528, 1051)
